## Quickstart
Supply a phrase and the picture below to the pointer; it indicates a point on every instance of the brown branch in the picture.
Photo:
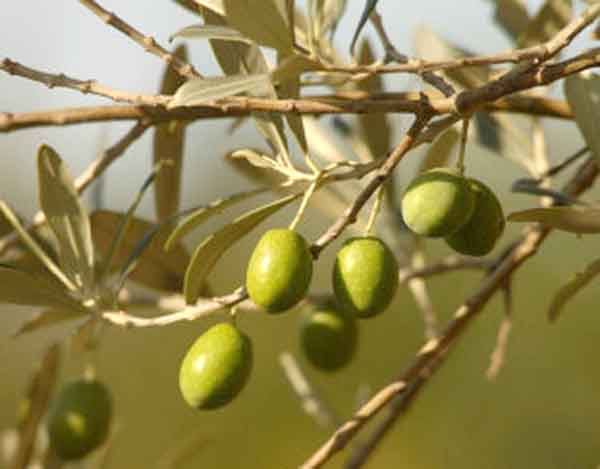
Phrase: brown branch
(434, 351)
(538, 53)
(147, 42)
(429, 76)
(240, 107)
(85, 86)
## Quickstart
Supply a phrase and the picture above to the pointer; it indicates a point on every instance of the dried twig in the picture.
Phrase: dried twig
(147, 42)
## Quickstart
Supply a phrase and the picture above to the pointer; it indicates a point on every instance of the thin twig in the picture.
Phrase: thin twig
(147, 42)
(85, 86)
(312, 403)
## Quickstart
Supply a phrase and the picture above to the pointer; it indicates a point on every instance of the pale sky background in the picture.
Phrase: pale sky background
(63, 36)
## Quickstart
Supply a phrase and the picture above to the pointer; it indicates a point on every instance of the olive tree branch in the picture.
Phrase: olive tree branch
(434, 351)
(538, 53)
(147, 42)
(241, 107)
(85, 86)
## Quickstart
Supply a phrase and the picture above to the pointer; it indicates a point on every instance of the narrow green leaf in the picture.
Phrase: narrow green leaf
(374, 128)
(37, 398)
(24, 288)
(512, 16)
(67, 218)
(207, 31)
(364, 17)
(156, 268)
(216, 6)
(261, 21)
(212, 248)
(168, 145)
(572, 219)
(551, 18)
(46, 318)
(583, 93)
(329, 13)
(32, 245)
(202, 90)
(440, 151)
(200, 216)
(571, 288)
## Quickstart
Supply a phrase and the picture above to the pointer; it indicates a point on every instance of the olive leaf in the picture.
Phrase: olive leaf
(168, 145)
(155, 268)
(260, 20)
(46, 318)
(238, 59)
(202, 90)
(571, 288)
(550, 19)
(203, 214)
(34, 247)
(512, 16)
(243, 165)
(328, 15)
(583, 94)
(213, 247)
(572, 219)
(36, 401)
(21, 287)
(67, 218)
(440, 151)
(369, 7)
(374, 128)
(216, 6)
(208, 31)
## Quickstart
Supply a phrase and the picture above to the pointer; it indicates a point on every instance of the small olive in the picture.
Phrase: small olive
(479, 235)
(79, 419)
(216, 367)
(437, 203)
(279, 271)
(328, 338)
(365, 276)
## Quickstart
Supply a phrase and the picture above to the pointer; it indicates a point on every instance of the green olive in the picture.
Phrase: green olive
(279, 271)
(328, 338)
(365, 276)
(437, 203)
(79, 419)
(216, 367)
(479, 235)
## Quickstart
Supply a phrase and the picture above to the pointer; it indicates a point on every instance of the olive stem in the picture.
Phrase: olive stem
(305, 201)
(460, 164)
(370, 228)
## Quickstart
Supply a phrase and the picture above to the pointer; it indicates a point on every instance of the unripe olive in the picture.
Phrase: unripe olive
(328, 338)
(279, 271)
(479, 235)
(79, 419)
(437, 203)
(216, 367)
(365, 276)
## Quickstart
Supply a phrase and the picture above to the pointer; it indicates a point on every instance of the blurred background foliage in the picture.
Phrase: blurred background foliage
(543, 409)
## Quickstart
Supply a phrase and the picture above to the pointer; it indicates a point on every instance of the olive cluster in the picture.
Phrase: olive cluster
(365, 279)
(464, 211)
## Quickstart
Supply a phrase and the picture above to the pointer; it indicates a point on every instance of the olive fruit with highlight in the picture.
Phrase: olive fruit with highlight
(279, 271)
(328, 338)
(79, 419)
(365, 276)
(479, 235)
(216, 367)
(437, 203)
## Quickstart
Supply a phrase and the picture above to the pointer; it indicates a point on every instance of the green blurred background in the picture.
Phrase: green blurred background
(543, 410)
